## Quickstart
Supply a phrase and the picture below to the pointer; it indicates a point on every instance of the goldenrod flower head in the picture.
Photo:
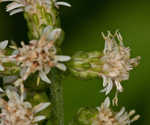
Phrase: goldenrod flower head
(16, 111)
(30, 6)
(106, 116)
(116, 62)
(39, 56)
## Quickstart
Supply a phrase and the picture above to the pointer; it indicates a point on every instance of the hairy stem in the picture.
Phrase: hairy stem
(57, 100)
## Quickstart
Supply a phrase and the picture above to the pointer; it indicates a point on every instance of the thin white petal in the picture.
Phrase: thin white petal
(108, 88)
(39, 118)
(132, 112)
(3, 44)
(54, 34)
(63, 4)
(1, 90)
(62, 58)
(120, 113)
(61, 66)
(107, 102)
(16, 11)
(1, 68)
(44, 77)
(118, 85)
(104, 81)
(40, 107)
(13, 5)
(47, 69)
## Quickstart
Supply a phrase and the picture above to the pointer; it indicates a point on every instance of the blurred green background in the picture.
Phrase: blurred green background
(83, 24)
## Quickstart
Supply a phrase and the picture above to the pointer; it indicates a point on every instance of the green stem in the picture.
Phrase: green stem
(57, 100)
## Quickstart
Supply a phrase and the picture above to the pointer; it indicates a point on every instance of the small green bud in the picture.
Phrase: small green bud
(85, 116)
(86, 64)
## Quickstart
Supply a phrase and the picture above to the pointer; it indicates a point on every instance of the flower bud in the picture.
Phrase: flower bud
(86, 64)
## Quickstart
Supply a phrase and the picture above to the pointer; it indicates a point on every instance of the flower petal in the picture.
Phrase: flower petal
(1, 68)
(3, 44)
(16, 11)
(107, 102)
(40, 107)
(1, 90)
(39, 118)
(13, 6)
(61, 66)
(62, 58)
(44, 77)
(63, 4)
(54, 35)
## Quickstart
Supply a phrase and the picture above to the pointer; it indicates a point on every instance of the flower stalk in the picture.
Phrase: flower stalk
(57, 100)
(35, 69)
(46, 18)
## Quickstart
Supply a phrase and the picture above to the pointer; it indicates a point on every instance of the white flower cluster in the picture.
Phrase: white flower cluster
(17, 6)
(108, 117)
(39, 55)
(116, 62)
(16, 111)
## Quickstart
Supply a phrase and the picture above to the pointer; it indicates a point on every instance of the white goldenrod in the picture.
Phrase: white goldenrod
(106, 116)
(16, 111)
(116, 62)
(39, 55)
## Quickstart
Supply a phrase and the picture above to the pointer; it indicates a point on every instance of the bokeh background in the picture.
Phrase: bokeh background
(83, 24)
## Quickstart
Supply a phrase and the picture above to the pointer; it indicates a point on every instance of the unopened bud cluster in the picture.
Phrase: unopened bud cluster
(86, 64)
(38, 13)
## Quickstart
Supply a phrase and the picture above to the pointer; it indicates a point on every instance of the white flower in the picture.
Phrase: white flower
(17, 6)
(108, 117)
(61, 3)
(16, 111)
(3, 45)
(116, 62)
(39, 56)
